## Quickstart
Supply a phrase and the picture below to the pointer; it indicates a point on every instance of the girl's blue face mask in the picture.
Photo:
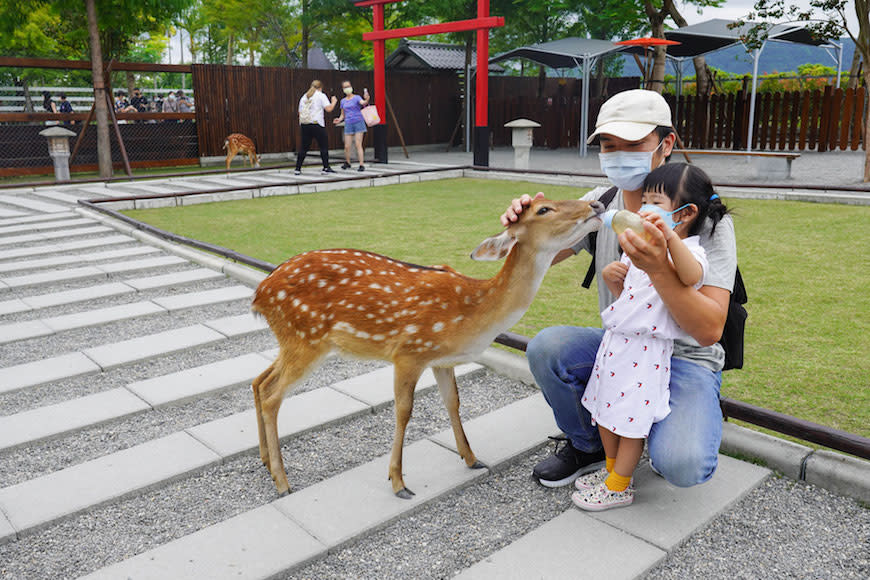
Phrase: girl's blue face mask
(666, 215)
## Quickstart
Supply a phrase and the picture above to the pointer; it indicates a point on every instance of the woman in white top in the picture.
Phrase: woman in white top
(311, 107)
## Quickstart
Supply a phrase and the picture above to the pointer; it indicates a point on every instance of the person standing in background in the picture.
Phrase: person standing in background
(311, 107)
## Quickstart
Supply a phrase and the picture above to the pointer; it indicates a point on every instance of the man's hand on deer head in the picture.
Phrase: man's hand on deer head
(516, 208)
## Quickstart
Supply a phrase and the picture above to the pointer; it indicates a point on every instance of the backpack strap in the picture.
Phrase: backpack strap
(606, 198)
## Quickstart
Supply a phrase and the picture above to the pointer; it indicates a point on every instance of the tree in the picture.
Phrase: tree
(825, 19)
(101, 110)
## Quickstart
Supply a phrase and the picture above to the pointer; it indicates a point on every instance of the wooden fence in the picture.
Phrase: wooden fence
(262, 103)
(821, 120)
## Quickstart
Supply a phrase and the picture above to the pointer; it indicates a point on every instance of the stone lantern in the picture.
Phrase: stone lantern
(58, 150)
(521, 139)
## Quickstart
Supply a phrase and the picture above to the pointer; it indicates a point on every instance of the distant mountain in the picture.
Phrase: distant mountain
(776, 57)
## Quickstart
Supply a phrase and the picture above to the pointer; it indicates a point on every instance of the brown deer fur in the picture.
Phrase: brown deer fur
(413, 316)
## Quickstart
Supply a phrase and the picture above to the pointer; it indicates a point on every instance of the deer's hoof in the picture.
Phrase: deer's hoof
(284, 493)
(405, 493)
(477, 465)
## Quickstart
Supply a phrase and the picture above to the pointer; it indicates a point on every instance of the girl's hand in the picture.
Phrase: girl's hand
(336, 121)
(614, 274)
(516, 208)
(656, 220)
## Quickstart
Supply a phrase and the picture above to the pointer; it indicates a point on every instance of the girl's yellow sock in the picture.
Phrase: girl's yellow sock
(616, 482)
(608, 463)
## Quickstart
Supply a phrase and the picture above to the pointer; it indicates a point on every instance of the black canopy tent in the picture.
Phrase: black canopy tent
(716, 34)
(574, 52)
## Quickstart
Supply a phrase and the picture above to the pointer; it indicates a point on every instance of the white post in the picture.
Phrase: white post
(752, 99)
(584, 107)
(840, 62)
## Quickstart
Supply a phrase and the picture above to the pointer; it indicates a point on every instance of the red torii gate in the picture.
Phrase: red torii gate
(481, 24)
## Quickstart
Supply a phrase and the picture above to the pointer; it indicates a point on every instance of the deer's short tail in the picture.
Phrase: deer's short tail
(226, 142)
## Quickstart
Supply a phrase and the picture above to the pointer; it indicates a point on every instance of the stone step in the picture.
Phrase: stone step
(101, 271)
(38, 263)
(44, 226)
(116, 354)
(53, 235)
(190, 300)
(70, 198)
(46, 370)
(331, 513)
(32, 204)
(40, 218)
(54, 248)
(174, 279)
(10, 213)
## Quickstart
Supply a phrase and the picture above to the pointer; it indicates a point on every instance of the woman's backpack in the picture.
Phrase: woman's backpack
(305, 115)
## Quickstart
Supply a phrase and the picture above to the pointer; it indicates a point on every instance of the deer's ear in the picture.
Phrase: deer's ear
(494, 248)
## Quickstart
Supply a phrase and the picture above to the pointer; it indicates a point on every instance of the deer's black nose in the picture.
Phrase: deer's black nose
(597, 206)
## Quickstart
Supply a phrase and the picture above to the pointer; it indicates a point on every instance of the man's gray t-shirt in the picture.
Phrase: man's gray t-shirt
(721, 250)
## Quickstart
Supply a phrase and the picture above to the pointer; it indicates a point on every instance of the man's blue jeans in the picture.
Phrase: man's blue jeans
(683, 447)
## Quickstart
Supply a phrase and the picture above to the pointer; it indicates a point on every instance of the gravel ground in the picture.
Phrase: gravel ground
(111, 533)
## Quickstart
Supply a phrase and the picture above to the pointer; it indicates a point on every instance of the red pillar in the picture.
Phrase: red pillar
(379, 132)
(481, 126)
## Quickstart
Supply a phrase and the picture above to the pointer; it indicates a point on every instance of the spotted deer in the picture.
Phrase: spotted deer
(237, 143)
(372, 306)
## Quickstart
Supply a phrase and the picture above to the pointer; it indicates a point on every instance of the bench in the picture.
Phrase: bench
(767, 164)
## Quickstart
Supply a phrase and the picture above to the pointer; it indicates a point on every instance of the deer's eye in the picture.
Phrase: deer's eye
(543, 210)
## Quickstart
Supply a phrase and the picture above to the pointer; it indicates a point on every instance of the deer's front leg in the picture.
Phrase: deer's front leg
(446, 379)
(403, 387)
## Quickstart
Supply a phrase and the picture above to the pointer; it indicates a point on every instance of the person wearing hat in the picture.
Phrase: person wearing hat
(635, 133)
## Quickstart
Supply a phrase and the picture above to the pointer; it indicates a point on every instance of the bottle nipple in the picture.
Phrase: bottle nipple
(623, 220)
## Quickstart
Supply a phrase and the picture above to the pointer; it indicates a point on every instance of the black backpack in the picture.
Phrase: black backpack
(735, 323)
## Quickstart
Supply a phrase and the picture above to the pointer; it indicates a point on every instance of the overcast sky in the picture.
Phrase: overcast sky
(734, 9)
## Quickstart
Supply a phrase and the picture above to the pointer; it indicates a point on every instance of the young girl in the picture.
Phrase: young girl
(354, 124)
(628, 389)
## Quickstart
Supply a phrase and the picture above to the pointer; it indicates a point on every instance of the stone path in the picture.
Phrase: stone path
(128, 442)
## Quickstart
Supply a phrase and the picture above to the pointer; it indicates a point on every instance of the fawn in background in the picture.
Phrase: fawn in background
(415, 317)
(236, 143)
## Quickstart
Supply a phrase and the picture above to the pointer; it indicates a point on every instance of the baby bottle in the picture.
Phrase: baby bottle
(623, 220)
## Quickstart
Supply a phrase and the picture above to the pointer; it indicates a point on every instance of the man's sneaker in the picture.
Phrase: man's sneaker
(297, 172)
(345, 165)
(602, 498)
(328, 170)
(566, 465)
(361, 168)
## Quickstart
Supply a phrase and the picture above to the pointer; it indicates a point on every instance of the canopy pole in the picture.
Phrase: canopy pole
(584, 106)
(752, 99)
(839, 62)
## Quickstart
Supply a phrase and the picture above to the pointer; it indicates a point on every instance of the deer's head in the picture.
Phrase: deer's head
(545, 227)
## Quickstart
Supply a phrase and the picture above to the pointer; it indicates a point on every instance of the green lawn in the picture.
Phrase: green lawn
(805, 265)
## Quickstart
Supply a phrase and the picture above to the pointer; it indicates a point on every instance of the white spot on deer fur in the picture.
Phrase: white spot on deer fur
(330, 289)
(375, 286)
(411, 328)
(438, 327)
(344, 280)
(378, 337)
(344, 326)
(428, 344)
(271, 301)
(363, 334)
(368, 272)
(282, 295)
(321, 283)
(370, 315)
(413, 270)
(357, 254)
(304, 308)
(311, 277)
(444, 306)
(394, 332)
(358, 273)
(458, 318)
(459, 289)
(388, 290)
(296, 302)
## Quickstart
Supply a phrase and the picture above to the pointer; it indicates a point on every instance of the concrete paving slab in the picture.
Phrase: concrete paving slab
(37, 263)
(100, 316)
(29, 218)
(53, 235)
(501, 435)
(376, 388)
(77, 295)
(174, 279)
(41, 501)
(60, 196)
(155, 202)
(12, 306)
(132, 266)
(32, 204)
(260, 543)
(10, 213)
(52, 225)
(570, 546)
(53, 276)
(193, 299)
(23, 330)
(849, 476)
(235, 434)
(784, 456)
(46, 370)
(215, 197)
(197, 381)
(153, 345)
(148, 188)
(664, 515)
(239, 325)
(267, 190)
(7, 532)
(92, 191)
(361, 500)
(64, 247)
(51, 420)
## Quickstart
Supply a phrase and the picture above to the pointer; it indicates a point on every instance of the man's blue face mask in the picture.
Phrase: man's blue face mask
(666, 215)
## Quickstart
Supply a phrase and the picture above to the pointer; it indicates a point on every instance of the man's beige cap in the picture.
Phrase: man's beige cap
(632, 115)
